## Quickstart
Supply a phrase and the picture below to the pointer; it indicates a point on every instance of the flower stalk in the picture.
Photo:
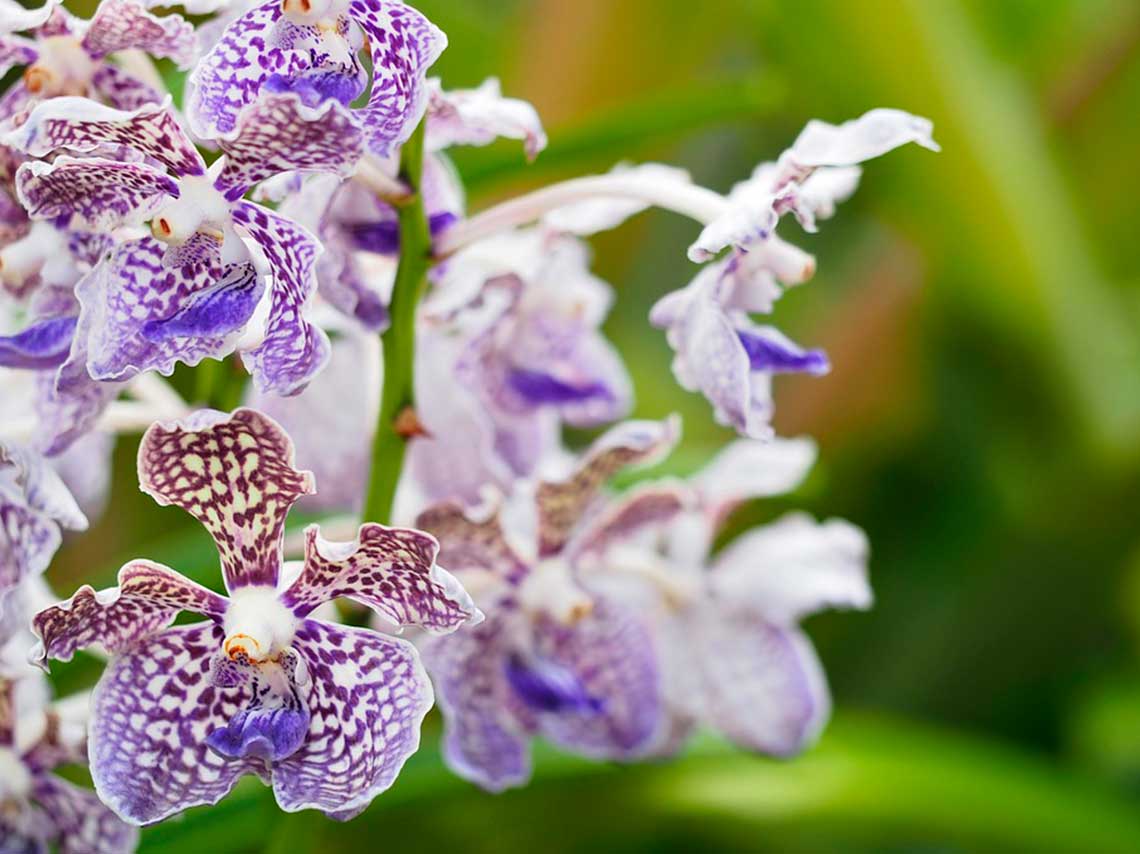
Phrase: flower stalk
(398, 341)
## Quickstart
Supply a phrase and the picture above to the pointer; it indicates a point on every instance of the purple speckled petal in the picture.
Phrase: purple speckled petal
(231, 74)
(16, 50)
(127, 25)
(33, 504)
(480, 116)
(263, 733)
(467, 544)
(44, 344)
(404, 45)
(81, 822)
(131, 289)
(148, 598)
(483, 740)
(294, 349)
(611, 653)
(83, 125)
(233, 473)
(215, 311)
(369, 696)
(279, 133)
(93, 194)
(770, 350)
(69, 403)
(314, 86)
(561, 504)
(151, 713)
(794, 567)
(643, 507)
(391, 570)
(123, 91)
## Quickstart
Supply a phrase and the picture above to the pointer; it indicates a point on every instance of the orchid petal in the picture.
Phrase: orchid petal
(480, 116)
(126, 25)
(871, 135)
(82, 823)
(44, 344)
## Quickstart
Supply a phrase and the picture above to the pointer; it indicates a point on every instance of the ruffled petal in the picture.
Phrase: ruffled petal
(127, 25)
(482, 740)
(871, 135)
(794, 567)
(479, 117)
(148, 598)
(293, 349)
(404, 45)
(134, 292)
(82, 824)
(234, 473)
(83, 125)
(391, 570)
(562, 503)
(44, 344)
(279, 133)
(93, 194)
(369, 696)
(151, 714)
(611, 653)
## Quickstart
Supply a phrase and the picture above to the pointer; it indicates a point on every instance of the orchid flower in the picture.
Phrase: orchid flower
(553, 658)
(310, 47)
(725, 626)
(65, 55)
(186, 292)
(326, 714)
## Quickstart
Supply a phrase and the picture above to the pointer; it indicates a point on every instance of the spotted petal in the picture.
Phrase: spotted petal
(148, 598)
(471, 544)
(369, 696)
(234, 474)
(122, 90)
(482, 741)
(391, 570)
(294, 349)
(83, 125)
(127, 25)
(642, 507)
(93, 194)
(151, 713)
(81, 822)
(633, 443)
(279, 133)
(404, 45)
(611, 653)
(134, 292)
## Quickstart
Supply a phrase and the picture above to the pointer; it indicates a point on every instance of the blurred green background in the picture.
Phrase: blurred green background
(982, 422)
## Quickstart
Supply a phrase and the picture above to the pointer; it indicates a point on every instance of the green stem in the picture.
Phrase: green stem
(399, 341)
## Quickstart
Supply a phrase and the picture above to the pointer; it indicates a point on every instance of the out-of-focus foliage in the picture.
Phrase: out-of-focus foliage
(982, 422)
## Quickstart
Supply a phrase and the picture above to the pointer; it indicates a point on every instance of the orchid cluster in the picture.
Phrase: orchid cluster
(289, 208)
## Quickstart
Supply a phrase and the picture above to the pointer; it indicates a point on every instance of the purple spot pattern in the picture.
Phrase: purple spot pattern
(81, 822)
(655, 504)
(151, 713)
(278, 133)
(392, 570)
(220, 309)
(611, 652)
(93, 194)
(294, 349)
(121, 90)
(483, 741)
(148, 598)
(236, 477)
(561, 504)
(126, 25)
(70, 123)
(369, 696)
(404, 45)
(67, 404)
(466, 544)
(119, 297)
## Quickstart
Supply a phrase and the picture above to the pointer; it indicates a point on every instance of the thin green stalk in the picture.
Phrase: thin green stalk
(399, 341)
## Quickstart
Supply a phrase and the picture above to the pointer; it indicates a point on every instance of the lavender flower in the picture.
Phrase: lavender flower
(310, 47)
(553, 657)
(326, 714)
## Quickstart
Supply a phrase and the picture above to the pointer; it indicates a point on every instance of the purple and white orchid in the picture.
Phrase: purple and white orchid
(553, 658)
(327, 714)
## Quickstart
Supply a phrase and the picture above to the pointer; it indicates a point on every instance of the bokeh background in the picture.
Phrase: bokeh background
(982, 423)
